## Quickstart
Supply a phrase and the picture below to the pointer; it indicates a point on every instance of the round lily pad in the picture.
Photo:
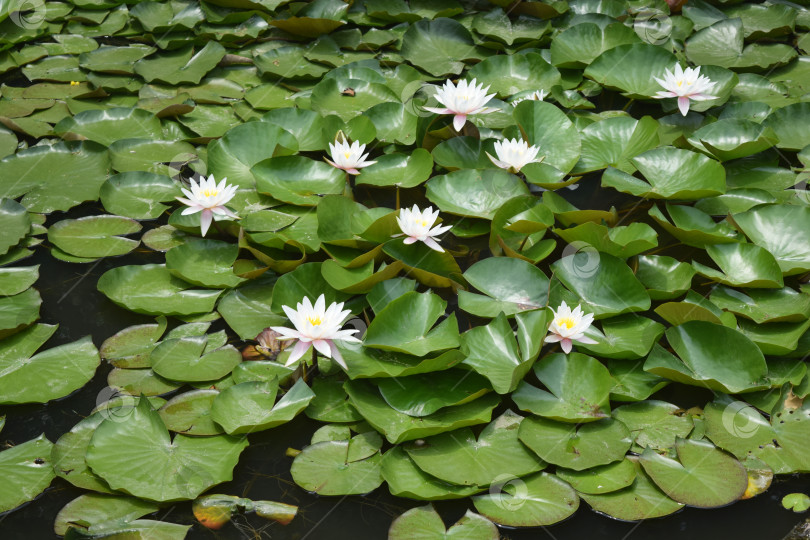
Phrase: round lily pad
(538, 500)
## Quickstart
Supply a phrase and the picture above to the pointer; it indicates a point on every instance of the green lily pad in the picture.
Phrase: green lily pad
(245, 145)
(405, 171)
(130, 347)
(729, 138)
(786, 122)
(297, 179)
(17, 279)
(703, 476)
(509, 360)
(626, 337)
(719, 355)
(423, 395)
(654, 424)
(27, 470)
(642, 500)
(190, 413)
(613, 141)
(94, 236)
(423, 522)
(509, 285)
(545, 126)
(66, 367)
(606, 284)
(138, 195)
(364, 363)
(538, 500)
(798, 502)
(641, 63)
(15, 223)
(127, 454)
(110, 125)
(576, 447)
(152, 289)
(330, 403)
(742, 265)
(207, 263)
(580, 44)
(56, 177)
(439, 46)
(671, 173)
(622, 241)
(183, 65)
(189, 359)
(398, 427)
(764, 305)
(405, 479)
(460, 458)
(18, 311)
(99, 512)
(602, 479)
(331, 468)
(247, 309)
(694, 227)
(251, 406)
(507, 75)
(420, 312)
(777, 228)
(474, 193)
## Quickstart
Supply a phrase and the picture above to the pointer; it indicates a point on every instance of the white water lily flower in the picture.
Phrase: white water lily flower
(514, 154)
(416, 225)
(569, 326)
(462, 100)
(537, 95)
(208, 198)
(348, 157)
(316, 326)
(685, 85)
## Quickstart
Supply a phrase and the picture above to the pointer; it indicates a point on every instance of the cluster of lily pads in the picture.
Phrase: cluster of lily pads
(402, 165)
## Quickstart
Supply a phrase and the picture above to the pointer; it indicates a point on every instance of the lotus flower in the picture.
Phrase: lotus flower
(514, 154)
(685, 85)
(537, 95)
(348, 157)
(416, 225)
(209, 198)
(316, 326)
(569, 326)
(466, 98)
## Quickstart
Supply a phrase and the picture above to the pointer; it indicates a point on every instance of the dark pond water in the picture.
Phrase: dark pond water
(71, 300)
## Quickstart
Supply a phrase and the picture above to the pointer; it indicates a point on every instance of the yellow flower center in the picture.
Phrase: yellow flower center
(314, 321)
(210, 193)
(347, 154)
(680, 83)
(423, 223)
(567, 322)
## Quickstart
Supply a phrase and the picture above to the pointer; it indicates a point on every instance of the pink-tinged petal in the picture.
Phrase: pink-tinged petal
(287, 333)
(587, 340)
(297, 352)
(332, 163)
(683, 105)
(438, 110)
(702, 97)
(409, 240)
(458, 121)
(205, 220)
(439, 229)
(186, 201)
(552, 338)
(432, 244)
(566, 345)
(337, 357)
(229, 213)
(497, 162)
(191, 210)
(322, 346)
(352, 171)
(662, 95)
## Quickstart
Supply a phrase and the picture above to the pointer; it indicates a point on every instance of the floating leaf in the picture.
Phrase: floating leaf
(424, 522)
(127, 454)
(538, 500)
(94, 236)
(27, 470)
(100, 512)
(251, 406)
(330, 468)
